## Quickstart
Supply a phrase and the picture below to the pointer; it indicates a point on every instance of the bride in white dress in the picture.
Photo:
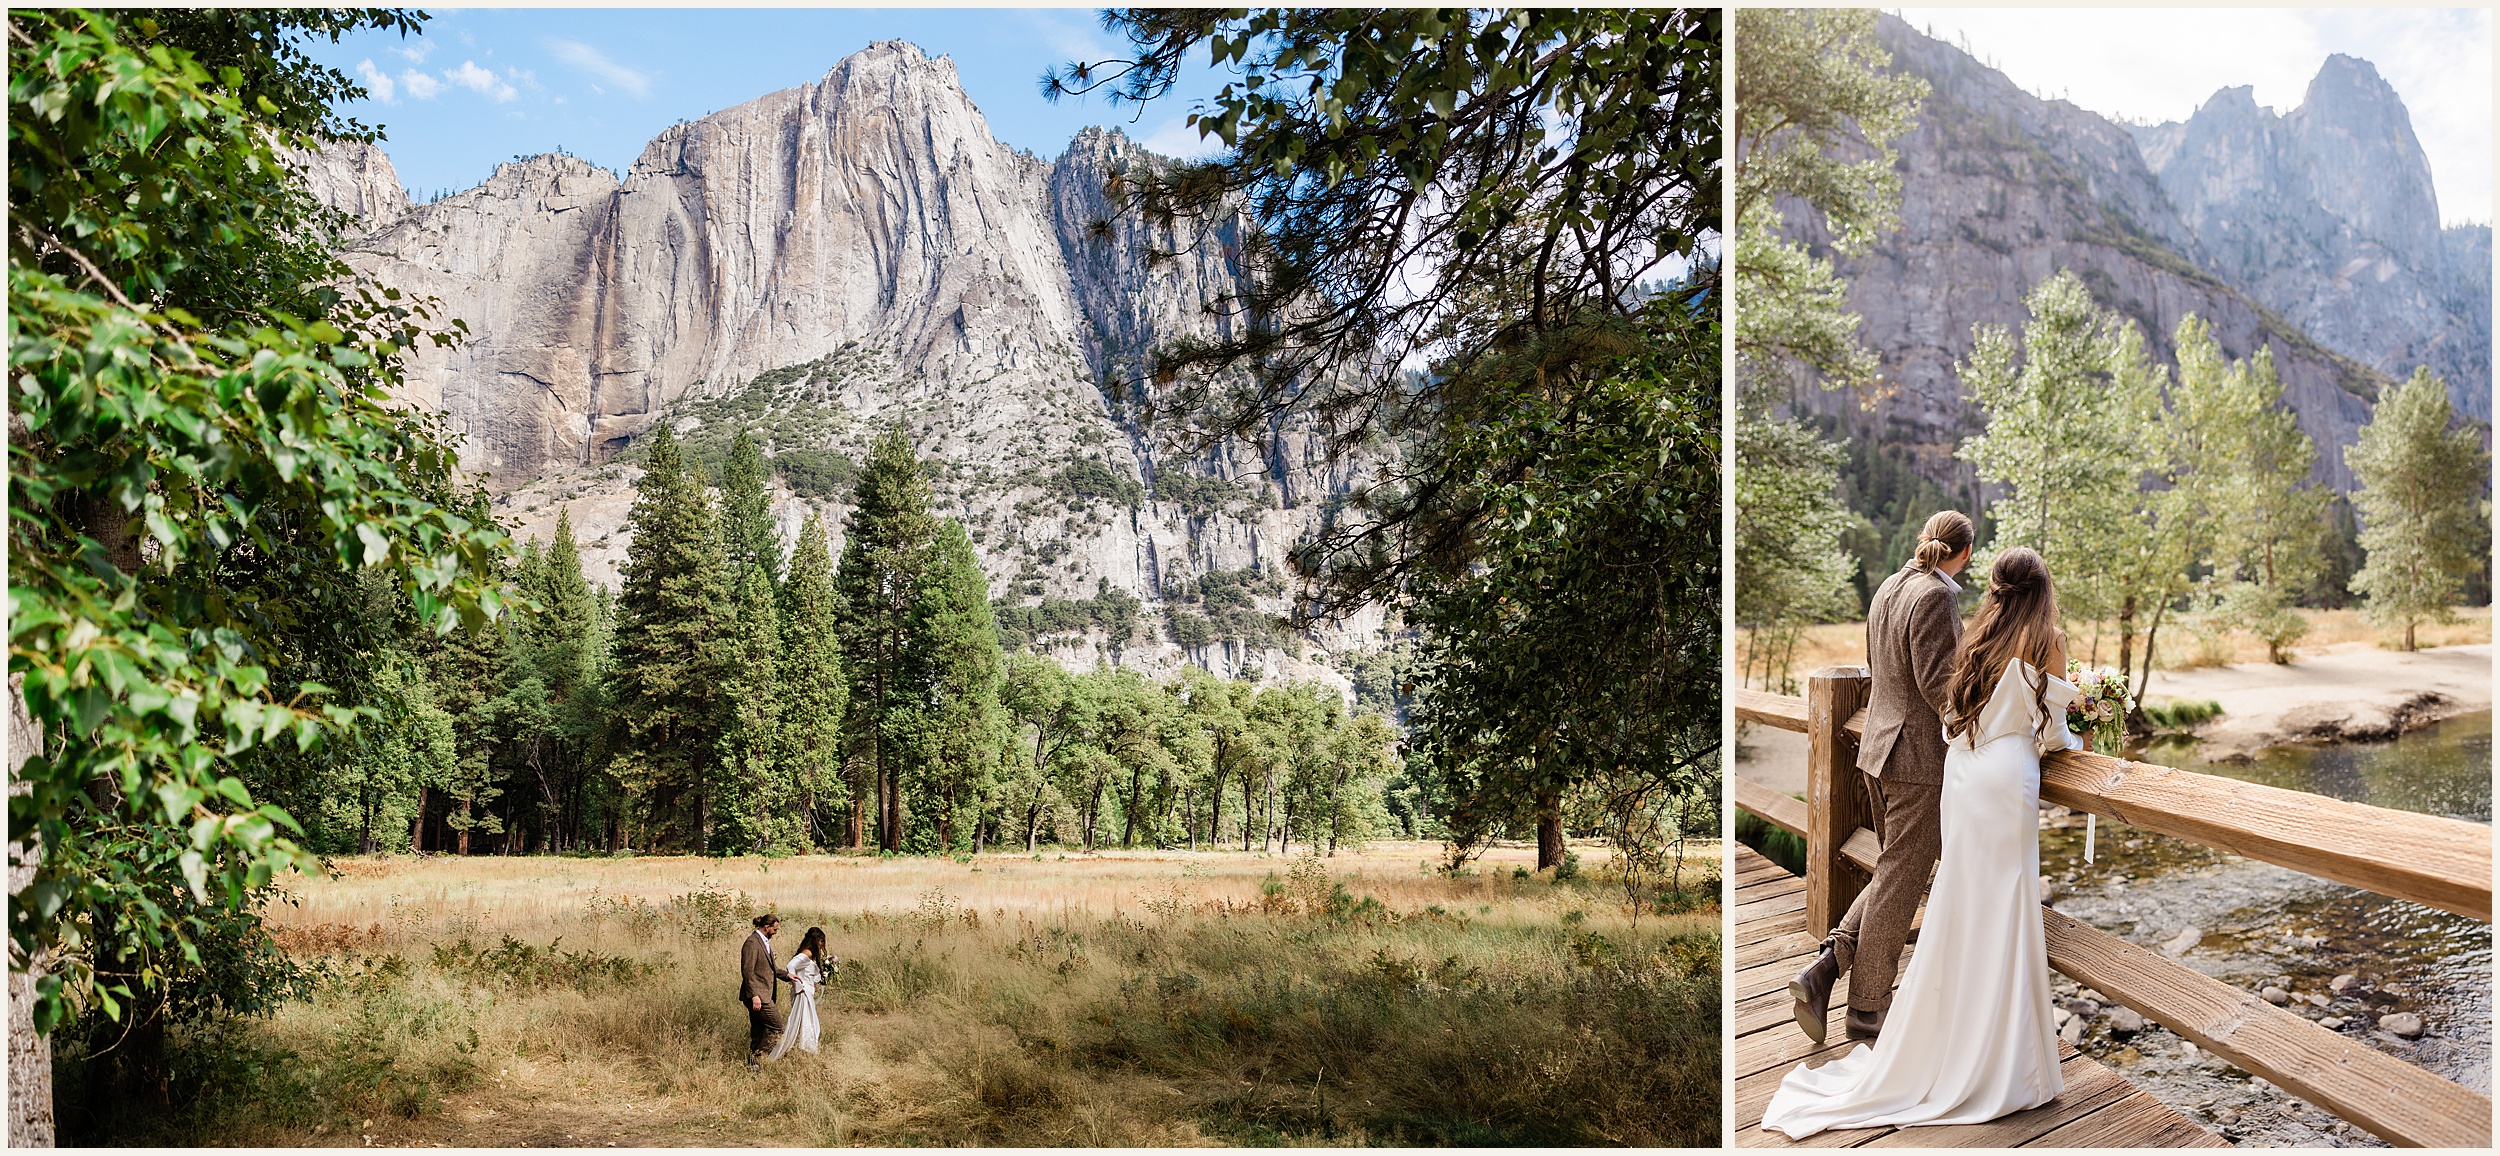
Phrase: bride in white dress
(807, 973)
(1970, 1036)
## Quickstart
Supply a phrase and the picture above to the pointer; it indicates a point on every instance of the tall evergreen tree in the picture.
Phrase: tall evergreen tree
(885, 550)
(956, 666)
(2418, 481)
(815, 692)
(668, 674)
(749, 536)
(755, 799)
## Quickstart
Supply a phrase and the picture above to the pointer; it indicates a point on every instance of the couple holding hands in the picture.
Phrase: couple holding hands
(759, 989)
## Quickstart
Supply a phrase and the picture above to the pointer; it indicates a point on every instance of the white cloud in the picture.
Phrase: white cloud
(415, 51)
(590, 60)
(377, 83)
(2160, 65)
(480, 81)
(420, 85)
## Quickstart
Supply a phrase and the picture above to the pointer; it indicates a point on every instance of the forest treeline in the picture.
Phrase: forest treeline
(736, 697)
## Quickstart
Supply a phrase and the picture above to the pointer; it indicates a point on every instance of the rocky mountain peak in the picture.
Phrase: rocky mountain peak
(826, 262)
(2327, 216)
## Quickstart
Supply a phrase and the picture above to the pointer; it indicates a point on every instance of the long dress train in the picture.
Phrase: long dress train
(1969, 1037)
(804, 978)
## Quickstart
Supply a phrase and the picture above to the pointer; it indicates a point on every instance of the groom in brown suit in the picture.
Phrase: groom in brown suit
(1913, 630)
(759, 987)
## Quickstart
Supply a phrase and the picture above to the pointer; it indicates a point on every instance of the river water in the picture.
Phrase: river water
(2254, 925)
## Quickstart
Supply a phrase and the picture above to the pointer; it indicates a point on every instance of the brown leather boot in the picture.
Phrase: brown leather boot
(1863, 1025)
(1812, 991)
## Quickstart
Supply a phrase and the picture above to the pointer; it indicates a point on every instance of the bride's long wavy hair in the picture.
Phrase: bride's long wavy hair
(2018, 620)
(813, 943)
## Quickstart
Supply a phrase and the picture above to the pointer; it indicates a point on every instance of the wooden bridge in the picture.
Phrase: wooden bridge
(1780, 919)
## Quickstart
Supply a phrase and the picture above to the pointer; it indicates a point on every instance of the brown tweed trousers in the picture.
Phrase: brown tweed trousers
(1913, 631)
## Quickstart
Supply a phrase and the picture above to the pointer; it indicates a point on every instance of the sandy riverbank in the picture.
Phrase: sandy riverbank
(2351, 692)
(2356, 693)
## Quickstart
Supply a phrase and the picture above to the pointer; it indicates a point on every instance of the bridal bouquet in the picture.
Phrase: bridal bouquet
(2099, 711)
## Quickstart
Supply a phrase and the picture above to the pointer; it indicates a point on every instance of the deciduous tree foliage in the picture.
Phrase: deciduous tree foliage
(1492, 194)
(2419, 481)
(202, 470)
(1815, 117)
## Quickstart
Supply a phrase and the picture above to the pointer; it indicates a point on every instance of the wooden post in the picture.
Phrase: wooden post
(1835, 798)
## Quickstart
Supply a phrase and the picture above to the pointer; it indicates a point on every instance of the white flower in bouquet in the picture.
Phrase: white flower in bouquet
(2100, 707)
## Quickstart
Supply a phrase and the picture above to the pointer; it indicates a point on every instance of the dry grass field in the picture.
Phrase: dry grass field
(1844, 643)
(1115, 999)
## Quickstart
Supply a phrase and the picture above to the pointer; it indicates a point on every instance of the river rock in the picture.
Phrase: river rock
(2180, 944)
(2275, 995)
(2059, 1016)
(2084, 1008)
(2092, 995)
(2405, 1024)
(2342, 983)
(2072, 1033)
(2332, 1023)
(2125, 1021)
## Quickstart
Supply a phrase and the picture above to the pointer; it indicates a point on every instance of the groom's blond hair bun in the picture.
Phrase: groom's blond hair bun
(1946, 534)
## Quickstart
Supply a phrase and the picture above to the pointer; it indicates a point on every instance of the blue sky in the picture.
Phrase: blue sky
(481, 86)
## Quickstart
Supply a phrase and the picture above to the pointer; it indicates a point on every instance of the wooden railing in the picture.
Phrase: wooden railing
(2438, 862)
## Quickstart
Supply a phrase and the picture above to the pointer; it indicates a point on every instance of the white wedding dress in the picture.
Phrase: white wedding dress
(1969, 1037)
(805, 976)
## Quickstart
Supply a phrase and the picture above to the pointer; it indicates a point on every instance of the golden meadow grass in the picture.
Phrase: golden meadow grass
(1140, 998)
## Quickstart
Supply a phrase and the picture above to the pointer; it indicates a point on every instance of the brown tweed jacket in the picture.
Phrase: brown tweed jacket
(1912, 633)
(756, 972)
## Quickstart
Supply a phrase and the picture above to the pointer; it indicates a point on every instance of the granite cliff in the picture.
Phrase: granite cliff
(2001, 189)
(824, 262)
(2326, 214)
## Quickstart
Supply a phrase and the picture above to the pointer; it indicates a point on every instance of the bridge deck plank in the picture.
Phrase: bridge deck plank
(2098, 1110)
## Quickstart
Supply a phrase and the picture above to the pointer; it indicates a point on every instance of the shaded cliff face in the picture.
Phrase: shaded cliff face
(2327, 216)
(2000, 190)
(829, 260)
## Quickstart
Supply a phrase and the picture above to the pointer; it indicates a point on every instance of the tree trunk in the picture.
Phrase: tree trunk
(416, 826)
(1549, 829)
(30, 1055)
(2126, 637)
(464, 828)
(859, 808)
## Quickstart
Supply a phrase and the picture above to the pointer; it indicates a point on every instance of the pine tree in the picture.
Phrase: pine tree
(666, 681)
(957, 664)
(755, 802)
(466, 670)
(814, 690)
(2417, 484)
(884, 552)
(748, 532)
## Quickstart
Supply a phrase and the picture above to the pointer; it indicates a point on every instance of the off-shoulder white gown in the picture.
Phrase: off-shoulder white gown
(1969, 1037)
(805, 976)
